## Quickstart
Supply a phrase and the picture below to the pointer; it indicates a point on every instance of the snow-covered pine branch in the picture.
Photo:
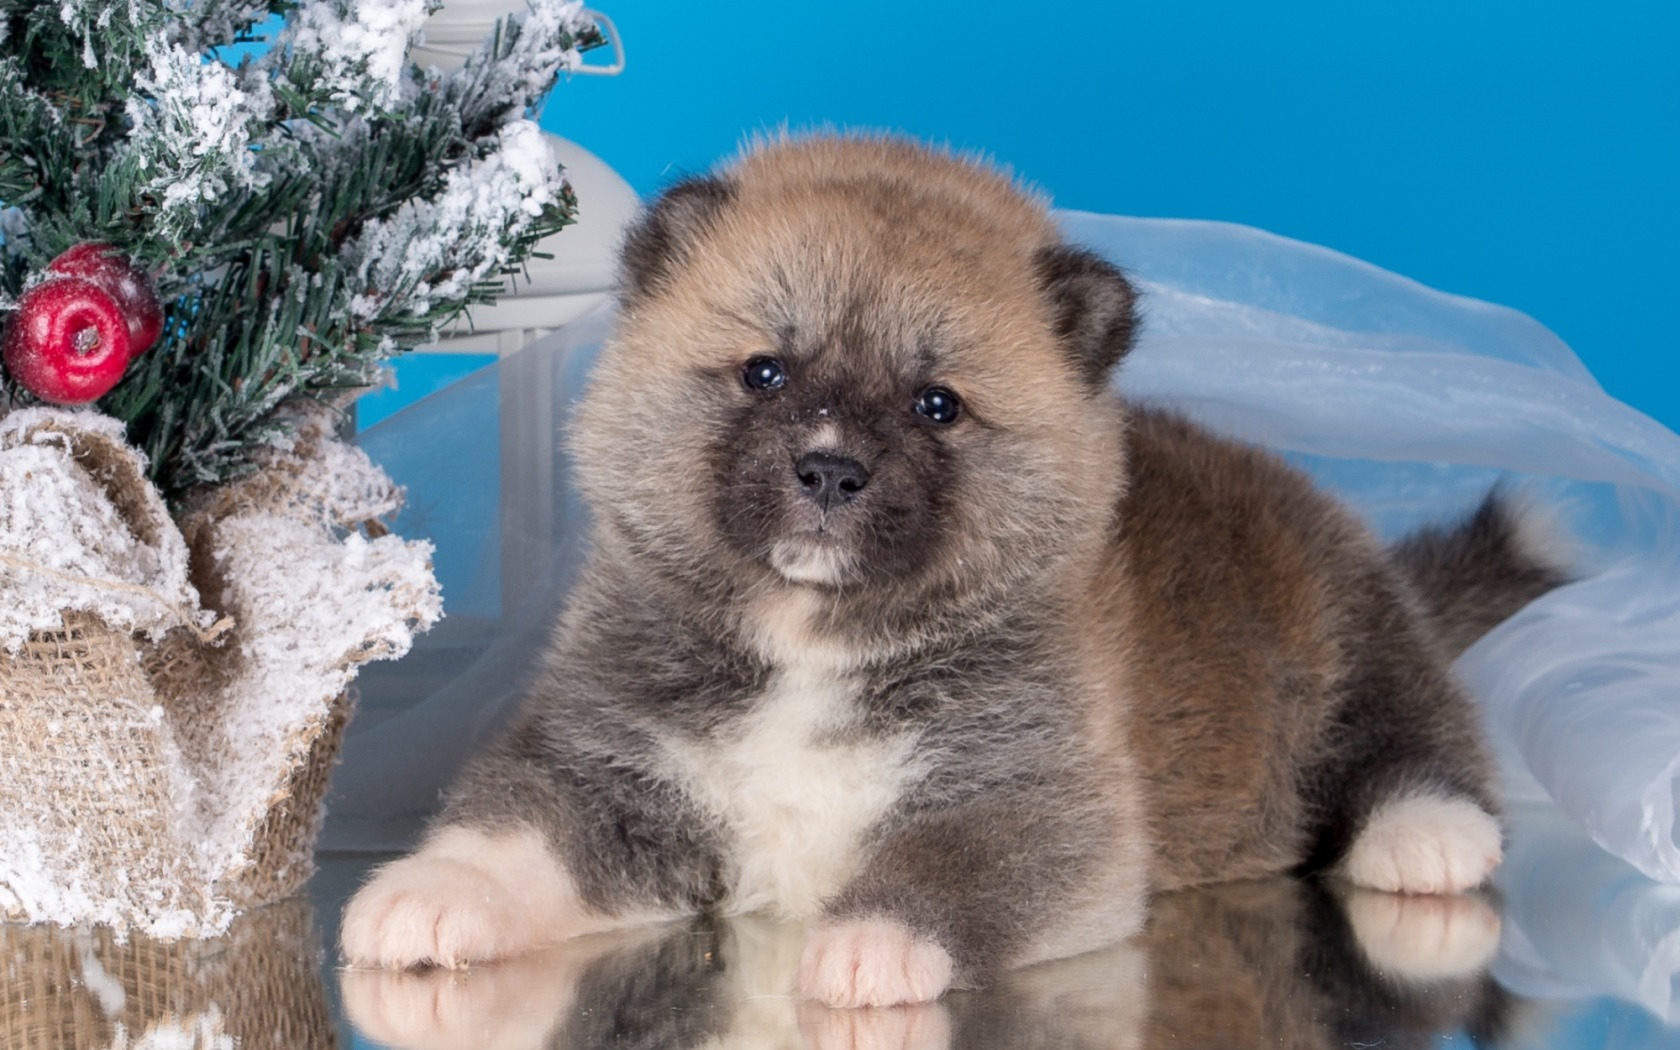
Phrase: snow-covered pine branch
(514, 69)
(192, 134)
(304, 214)
(425, 261)
(352, 53)
(24, 113)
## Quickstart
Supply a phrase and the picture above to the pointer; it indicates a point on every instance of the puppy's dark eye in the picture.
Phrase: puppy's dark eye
(764, 373)
(938, 405)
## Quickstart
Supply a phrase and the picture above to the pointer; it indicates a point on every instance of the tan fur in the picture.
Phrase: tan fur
(821, 214)
(779, 626)
(1204, 618)
(1218, 586)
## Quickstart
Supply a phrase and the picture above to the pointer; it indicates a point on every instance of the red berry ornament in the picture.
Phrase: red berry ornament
(129, 285)
(68, 341)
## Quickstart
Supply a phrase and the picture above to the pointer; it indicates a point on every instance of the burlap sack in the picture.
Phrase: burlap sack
(82, 752)
(163, 760)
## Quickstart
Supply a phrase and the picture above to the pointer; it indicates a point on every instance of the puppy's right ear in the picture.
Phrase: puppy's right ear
(661, 239)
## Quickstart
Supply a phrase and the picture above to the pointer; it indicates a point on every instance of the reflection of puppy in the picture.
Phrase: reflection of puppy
(1263, 963)
(898, 620)
(653, 987)
(1281, 962)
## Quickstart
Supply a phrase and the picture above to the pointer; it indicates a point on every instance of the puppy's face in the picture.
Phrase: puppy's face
(858, 367)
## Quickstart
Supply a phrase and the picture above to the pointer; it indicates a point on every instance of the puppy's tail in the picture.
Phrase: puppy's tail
(1474, 574)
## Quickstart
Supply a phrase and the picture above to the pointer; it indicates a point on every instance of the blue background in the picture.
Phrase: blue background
(1526, 153)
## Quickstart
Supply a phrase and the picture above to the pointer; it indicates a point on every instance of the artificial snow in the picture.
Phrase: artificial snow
(105, 988)
(191, 771)
(200, 27)
(86, 20)
(436, 251)
(313, 602)
(359, 48)
(65, 545)
(545, 46)
(191, 133)
(201, 1031)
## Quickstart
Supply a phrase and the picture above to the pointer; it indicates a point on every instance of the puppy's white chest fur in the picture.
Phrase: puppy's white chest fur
(794, 795)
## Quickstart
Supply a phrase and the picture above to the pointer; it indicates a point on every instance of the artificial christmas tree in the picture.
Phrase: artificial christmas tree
(304, 213)
(215, 254)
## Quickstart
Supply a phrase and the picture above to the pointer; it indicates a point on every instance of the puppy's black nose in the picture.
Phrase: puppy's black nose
(829, 479)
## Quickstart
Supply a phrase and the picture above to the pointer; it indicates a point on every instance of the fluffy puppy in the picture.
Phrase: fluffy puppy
(898, 621)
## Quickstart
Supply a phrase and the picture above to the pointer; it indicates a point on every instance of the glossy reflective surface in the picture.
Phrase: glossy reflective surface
(262, 985)
(1570, 952)
(1261, 964)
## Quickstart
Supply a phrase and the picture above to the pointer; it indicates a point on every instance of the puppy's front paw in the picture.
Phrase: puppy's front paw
(872, 962)
(432, 911)
(1425, 844)
(465, 897)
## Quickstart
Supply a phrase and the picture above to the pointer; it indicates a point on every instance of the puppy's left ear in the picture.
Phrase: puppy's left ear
(1092, 306)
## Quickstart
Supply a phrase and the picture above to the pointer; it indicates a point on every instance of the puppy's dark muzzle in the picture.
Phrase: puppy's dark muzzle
(830, 480)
